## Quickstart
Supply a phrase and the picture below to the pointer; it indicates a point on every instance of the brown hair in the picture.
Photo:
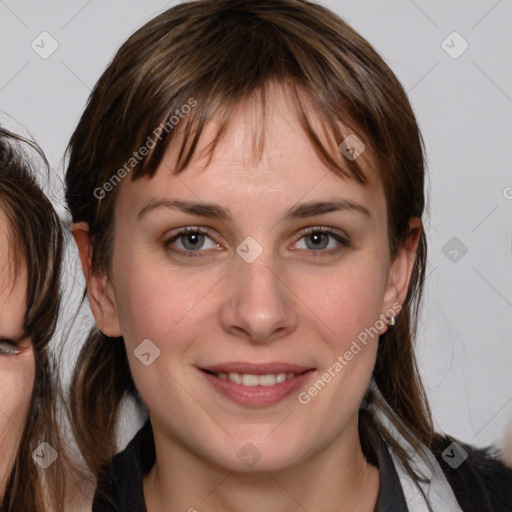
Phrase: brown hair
(36, 241)
(219, 53)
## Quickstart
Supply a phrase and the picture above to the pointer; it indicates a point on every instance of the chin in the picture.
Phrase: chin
(248, 458)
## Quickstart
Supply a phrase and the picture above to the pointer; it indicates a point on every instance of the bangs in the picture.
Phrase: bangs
(220, 56)
(324, 131)
(190, 69)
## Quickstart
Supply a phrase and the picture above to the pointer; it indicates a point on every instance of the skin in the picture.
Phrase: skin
(17, 366)
(288, 305)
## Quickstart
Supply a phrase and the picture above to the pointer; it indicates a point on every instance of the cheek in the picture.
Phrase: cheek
(155, 301)
(347, 304)
(164, 307)
(347, 300)
(16, 386)
(350, 306)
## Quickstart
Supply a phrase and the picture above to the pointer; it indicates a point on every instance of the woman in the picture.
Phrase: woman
(30, 259)
(246, 184)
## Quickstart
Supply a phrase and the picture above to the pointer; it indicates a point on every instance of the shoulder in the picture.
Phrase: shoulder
(119, 486)
(480, 481)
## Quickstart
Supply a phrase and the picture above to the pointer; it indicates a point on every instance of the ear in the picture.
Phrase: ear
(100, 292)
(400, 271)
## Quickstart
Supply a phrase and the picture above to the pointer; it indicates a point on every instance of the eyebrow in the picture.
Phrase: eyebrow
(16, 340)
(214, 211)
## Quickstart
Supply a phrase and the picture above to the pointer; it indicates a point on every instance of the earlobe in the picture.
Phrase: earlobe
(100, 292)
(401, 269)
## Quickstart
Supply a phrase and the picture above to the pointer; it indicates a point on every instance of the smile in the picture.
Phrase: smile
(249, 380)
(253, 385)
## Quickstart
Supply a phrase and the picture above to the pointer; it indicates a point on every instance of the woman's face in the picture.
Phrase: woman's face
(17, 367)
(257, 300)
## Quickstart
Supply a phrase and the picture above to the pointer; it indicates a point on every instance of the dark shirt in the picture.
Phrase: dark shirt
(480, 484)
(123, 491)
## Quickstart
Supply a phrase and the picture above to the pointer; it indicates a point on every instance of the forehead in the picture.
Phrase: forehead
(13, 285)
(265, 150)
(13, 274)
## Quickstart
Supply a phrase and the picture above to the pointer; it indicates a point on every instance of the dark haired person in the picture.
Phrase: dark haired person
(31, 245)
(251, 234)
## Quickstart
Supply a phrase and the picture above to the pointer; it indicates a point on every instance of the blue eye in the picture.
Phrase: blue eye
(8, 348)
(193, 240)
(318, 235)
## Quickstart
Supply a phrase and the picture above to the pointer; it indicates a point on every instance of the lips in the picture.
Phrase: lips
(250, 374)
(256, 385)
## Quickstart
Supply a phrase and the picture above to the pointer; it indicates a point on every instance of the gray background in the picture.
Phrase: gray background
(463, 102)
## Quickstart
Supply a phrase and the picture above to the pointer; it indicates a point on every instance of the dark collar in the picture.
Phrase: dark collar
(121, 488)
(391, 496)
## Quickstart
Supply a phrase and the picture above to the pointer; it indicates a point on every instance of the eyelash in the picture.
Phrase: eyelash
(308, 231)
(8, 348)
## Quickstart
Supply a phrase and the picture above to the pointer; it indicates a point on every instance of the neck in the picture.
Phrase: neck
(337, 478)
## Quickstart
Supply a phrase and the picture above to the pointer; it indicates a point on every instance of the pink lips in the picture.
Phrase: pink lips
(257, 396)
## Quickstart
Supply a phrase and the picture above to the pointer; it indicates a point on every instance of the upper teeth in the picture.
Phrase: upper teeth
(246, 379)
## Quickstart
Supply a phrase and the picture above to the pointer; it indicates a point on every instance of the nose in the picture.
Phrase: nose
(260, 305)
